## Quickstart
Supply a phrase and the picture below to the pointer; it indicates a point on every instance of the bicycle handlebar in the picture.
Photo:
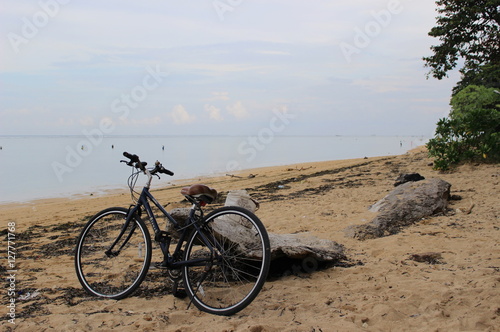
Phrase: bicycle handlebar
(137, 163)
(133, 157)
(160, 169)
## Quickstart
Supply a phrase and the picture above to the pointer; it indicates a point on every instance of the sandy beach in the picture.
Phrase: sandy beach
(379, 288)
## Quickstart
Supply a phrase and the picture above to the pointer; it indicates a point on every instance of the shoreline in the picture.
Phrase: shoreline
(103, 191)
(92, 179)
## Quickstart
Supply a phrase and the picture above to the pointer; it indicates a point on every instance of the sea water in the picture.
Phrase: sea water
(33, 167)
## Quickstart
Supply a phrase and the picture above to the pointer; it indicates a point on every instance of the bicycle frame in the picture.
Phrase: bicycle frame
(172, 260)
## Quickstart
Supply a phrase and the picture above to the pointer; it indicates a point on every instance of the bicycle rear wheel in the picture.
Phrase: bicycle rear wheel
(117, 273)
(230, 259)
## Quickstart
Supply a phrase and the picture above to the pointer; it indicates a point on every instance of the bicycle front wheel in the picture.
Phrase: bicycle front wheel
(227, 261)
(109, 269)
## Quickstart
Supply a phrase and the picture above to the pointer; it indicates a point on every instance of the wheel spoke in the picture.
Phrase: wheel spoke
(116, 273)
(238, 267)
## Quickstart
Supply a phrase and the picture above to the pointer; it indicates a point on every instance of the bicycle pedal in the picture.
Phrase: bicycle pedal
(179, 293)
(162, 265)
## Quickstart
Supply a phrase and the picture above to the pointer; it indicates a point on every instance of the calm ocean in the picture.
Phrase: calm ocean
(59, 166)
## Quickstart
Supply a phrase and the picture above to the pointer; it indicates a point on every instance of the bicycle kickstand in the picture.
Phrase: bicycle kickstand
(208, 267)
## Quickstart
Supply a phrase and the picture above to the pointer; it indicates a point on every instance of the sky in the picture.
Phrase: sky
(223, 67)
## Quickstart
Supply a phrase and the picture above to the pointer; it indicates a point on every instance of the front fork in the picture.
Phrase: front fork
(128, 220)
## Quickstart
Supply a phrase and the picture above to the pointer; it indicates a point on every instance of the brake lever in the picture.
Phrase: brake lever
(129, 163)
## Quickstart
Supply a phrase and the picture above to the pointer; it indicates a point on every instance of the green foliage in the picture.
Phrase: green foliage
(473, 98)
(472, 131)
(487, 75)
(467, 29)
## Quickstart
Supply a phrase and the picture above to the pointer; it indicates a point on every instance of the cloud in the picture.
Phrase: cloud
(21, 111)
(64, 122)
(143, 122)
(180, 116)
(383, 84)
(216, 95)
(213, 112)
(237, 110)
(150, 121)
(273, 52)
(86, 121)
(292, 58)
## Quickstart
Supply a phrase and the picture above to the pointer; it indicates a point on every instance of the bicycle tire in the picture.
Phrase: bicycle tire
(113, 276)
(229, 282)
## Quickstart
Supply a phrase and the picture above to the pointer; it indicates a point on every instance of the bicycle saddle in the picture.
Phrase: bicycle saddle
(201, 192)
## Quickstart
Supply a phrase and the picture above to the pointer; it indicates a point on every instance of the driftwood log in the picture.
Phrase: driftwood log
(293, 246)
(405, 205)
(302, 246)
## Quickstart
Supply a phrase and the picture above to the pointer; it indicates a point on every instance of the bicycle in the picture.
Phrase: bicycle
(222, 258)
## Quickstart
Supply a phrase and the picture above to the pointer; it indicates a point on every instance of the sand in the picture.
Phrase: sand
(378, 289)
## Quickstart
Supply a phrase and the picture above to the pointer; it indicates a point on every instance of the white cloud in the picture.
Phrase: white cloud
(222, 95)
(383, 84)
(217, 69)
(273, 52)
(237, 110)
(143, 122)
(213, 112)
(87, 121)
(22, 112)
(180, 116)
(63, 122)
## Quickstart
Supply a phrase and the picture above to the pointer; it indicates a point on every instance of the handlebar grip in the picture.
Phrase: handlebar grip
(133, 157)
(168, 172)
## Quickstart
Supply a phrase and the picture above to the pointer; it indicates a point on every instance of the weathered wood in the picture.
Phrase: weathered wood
(405, 205)
(294, 246)
(301, 246)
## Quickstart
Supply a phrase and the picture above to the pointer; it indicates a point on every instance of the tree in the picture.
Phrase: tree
(487, 76)
(471, 132)
(467, 29)
(474, 98)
